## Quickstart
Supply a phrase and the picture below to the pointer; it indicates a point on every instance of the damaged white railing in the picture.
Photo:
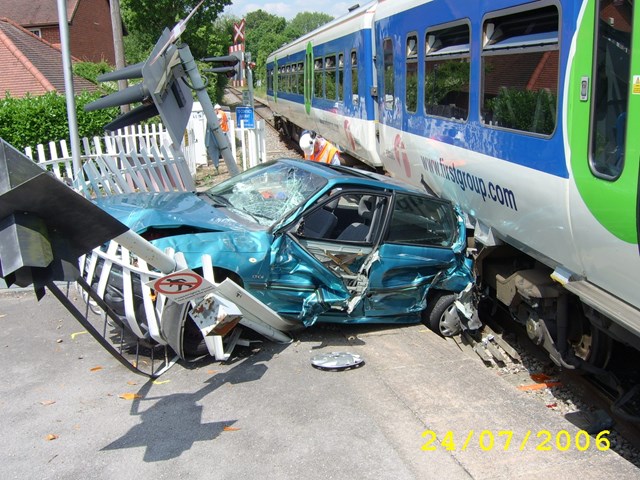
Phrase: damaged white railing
(153, 171)
(123, 278)
(56, 157)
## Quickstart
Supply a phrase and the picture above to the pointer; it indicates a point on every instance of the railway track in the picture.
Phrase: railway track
(277, 146)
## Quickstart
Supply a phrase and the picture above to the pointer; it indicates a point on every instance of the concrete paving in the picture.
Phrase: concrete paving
(270, 415)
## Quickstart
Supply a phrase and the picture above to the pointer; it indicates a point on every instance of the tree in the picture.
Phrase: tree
(264, 34)
(304, 23)
(146, 19)
(217, 46)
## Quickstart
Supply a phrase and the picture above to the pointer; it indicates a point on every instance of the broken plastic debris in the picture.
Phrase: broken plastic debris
(337, 361)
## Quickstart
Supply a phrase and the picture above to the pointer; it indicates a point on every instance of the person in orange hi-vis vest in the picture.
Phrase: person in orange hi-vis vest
(318, 149)
(222, 118)
(213, 150)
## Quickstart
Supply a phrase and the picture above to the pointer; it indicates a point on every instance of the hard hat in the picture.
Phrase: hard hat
(307, 140)
(217, 107)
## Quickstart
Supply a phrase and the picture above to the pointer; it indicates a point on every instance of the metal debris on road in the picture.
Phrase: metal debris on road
(337, 361)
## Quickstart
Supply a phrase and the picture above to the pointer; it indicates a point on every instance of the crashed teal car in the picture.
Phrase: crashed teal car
(317, 243)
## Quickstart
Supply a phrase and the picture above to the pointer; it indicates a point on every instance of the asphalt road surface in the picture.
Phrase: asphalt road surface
(69, 410)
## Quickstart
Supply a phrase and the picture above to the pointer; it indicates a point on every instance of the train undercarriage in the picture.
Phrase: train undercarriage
(574, 334)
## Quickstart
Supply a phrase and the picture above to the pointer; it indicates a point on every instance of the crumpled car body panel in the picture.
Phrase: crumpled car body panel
(345, 246)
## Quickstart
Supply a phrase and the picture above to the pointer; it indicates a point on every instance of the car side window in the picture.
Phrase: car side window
(347, 217)
(417, 220)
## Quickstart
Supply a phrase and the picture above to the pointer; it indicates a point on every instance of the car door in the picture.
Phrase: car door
(317, 263)
(422, 246)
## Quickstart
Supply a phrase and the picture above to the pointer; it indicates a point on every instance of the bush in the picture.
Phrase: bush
(530, 111)
(32, 120)
(91, 71)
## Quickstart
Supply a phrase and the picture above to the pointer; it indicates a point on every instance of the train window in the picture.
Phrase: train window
(355, 98)
(411, 74)
(340, 85)
(270, 78)
(611, 88)
(318, 79)
(287, 78)
(446, 86)
(300, 78)
(292, 78)
(520, 65)
(388, 73)
(281, 79)
(330, 77)
(293, 82)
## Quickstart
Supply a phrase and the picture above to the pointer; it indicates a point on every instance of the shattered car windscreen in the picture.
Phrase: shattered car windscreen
(267, 193)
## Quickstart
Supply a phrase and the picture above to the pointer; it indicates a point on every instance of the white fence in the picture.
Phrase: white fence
(57, 157)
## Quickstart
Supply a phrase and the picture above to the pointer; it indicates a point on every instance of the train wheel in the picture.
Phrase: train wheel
(591, 345)
(441, 315)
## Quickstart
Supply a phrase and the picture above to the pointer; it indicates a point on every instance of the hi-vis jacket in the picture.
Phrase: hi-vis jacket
(325, 155)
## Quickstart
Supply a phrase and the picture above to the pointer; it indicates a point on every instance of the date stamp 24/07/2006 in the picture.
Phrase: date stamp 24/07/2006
(507, 440)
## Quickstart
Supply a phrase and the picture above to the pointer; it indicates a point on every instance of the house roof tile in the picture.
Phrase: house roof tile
(35, 12)
(31, 64)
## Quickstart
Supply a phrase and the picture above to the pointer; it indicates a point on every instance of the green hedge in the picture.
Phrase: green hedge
(32, 120)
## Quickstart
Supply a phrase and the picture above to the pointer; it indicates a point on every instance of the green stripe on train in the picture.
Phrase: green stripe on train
(613, 203)
(308, 78)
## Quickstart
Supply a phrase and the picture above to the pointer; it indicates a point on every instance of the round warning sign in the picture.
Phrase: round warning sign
(182, 286)
(178, 283)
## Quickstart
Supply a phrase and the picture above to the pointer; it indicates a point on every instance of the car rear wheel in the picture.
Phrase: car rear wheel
(441, 315)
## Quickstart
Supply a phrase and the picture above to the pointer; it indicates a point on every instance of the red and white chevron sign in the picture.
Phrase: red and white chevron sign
(238, 31)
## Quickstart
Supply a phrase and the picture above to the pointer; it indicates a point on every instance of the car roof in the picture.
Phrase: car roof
(338, 173)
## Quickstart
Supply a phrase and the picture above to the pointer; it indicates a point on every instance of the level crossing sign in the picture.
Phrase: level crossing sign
(238, 31)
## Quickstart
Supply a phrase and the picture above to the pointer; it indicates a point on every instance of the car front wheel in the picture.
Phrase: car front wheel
(441, 315)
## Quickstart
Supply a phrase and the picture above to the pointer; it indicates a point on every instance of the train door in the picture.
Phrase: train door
(603, 109)
(607, 175)
(276, 79)
(387, 98)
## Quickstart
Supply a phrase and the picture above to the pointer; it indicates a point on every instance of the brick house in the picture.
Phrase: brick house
(90, 33)
(31, 64)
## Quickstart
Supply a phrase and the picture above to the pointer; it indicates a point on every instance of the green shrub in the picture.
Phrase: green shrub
(91, 71)
(32, 120)
(530, 111)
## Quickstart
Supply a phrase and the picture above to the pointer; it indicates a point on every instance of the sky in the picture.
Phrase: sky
(289, 9)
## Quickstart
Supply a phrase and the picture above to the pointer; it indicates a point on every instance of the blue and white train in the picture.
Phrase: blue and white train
(516, 110)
